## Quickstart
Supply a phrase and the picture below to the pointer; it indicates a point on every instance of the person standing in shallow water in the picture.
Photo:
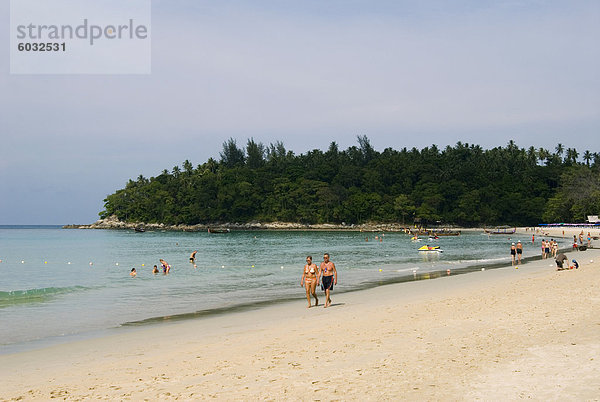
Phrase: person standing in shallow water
(328, 276)
(519, 251)
(309, 280)
(513, 253)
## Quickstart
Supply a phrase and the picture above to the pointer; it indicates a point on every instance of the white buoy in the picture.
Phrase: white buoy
(69, 263)
(222, 266)
(91, 263)
(22, 262)
(483, 269)
(282, 267)
(116, 263)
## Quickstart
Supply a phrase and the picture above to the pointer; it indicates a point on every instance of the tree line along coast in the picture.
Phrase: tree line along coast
(462, 185)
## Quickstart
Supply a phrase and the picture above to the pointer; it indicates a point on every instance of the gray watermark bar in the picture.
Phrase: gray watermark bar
(80, 37)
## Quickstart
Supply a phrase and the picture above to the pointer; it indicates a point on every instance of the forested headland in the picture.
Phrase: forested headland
(463, 185)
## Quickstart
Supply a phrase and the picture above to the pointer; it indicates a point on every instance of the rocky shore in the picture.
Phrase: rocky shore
(112, 222)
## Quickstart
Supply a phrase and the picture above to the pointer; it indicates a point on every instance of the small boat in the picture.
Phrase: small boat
(431, 248)
(501, 230)
(139, 229)
(218, 231)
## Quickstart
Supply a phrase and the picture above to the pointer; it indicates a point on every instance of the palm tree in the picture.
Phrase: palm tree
(560, 149)
(587, 157)
(532, 154)
(572, 156)
(543, 154)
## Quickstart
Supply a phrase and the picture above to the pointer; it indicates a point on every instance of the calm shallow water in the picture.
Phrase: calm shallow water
(49, 289)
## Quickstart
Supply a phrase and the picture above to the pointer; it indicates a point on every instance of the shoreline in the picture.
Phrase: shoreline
(461, 336)
(113, 223)
(257, 305)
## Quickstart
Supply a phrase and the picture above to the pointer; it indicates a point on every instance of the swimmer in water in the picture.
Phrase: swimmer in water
(328, 273)
(155, 270)
(165, 266)
(133, 272)
(193, 257)
(309, 280)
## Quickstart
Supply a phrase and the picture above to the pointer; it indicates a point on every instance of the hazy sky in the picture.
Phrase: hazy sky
(307, 73)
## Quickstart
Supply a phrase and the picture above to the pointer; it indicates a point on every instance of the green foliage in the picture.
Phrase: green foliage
(578, 195)
(463, 185)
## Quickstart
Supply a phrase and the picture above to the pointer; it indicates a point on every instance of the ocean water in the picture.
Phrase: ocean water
(63, 283)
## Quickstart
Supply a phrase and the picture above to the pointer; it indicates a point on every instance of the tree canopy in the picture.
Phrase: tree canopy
(464, 185)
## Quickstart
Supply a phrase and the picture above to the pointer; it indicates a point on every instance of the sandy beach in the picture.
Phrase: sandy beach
(501, 334)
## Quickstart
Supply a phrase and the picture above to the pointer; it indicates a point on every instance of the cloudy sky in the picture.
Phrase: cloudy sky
(304, 72)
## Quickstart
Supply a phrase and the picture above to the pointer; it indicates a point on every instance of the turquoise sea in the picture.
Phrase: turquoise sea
(60, 284)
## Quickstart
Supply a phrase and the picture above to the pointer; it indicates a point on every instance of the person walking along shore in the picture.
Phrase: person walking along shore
(328, 276)
(309, 280)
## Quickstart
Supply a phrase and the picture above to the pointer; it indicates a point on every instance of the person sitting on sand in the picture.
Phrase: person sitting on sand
(155, 270)
(329, 278)
(309, 280)
(575, 264)
(133, 272)
(166, 267)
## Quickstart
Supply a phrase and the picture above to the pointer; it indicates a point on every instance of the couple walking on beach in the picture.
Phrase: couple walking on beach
(312, 275)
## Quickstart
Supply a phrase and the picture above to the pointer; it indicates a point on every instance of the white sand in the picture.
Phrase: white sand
(502, 334)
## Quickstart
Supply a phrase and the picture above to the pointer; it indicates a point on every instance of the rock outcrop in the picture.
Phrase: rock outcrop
(112, 222)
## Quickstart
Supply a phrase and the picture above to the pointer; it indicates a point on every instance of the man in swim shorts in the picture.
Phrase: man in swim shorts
(328, 276)
(193, 257)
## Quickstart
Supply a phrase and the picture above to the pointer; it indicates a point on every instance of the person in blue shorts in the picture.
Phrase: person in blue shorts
(328, 277)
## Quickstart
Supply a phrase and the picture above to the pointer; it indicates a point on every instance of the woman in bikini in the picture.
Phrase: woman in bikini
(309, 280)
(513, 253)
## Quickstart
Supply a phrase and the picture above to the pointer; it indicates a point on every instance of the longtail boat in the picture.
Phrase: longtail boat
(500, 230)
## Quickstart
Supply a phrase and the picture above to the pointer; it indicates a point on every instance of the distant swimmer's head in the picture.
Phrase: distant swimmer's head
(133, 272)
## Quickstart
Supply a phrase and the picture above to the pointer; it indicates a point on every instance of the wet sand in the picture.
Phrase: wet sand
(500, 334)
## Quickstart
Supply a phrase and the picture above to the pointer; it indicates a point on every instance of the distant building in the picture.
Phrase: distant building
(593, 219)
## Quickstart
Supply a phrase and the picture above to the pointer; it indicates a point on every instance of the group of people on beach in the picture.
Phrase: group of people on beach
(589, 240)
(516, 252)
(325, 273)
(549, 248)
